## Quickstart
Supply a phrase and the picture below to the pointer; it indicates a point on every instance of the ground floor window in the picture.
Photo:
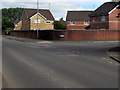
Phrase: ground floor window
(86, 22)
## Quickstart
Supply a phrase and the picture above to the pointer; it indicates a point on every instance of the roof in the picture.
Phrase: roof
(104, 9)
(78, 15)
(44, 12)
(16, 21)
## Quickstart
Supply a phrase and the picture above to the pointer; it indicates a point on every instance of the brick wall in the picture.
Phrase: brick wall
(78, 25)
(98, 24)
(114, 20)
(18, 26)
(70, 34)
(25, 22)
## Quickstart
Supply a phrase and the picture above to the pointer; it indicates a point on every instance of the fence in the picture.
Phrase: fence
(69, 34)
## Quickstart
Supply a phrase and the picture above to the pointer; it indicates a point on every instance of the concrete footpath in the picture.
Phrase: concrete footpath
(115, 53)
(27, 39)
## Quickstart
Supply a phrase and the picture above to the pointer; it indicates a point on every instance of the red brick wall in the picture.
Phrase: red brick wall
(70, 35)
(98, 24)
(78, 25)
(113, 20)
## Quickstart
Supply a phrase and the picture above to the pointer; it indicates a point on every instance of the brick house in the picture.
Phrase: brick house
(18, 25)
(77, 19)
(33, 20)
(106, 17)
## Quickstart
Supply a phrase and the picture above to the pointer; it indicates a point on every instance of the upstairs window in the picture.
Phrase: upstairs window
(103, 18)
(72, 22)
(86, 22)
(37, 21)
(93, 20)
(48, 22)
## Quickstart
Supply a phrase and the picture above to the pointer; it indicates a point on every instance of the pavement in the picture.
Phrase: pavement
(115, 53)
(52, 64)
(27, 39)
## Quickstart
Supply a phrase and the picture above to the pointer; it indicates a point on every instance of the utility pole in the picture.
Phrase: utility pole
(37, 19)
(49, 5)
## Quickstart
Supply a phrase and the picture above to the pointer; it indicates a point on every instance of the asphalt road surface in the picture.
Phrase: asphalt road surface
(58, 65)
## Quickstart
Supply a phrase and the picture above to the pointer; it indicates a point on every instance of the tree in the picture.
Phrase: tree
(6, 24)
(59, 24)
(9, 16)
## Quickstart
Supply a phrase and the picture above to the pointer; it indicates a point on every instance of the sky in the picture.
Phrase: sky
(58, 8)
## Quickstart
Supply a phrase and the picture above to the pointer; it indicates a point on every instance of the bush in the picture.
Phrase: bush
(58, 25)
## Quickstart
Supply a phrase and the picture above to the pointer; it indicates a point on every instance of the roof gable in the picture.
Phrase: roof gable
(104, 9)
(78, 15)
(16, 22)
(46, 13)
(39, 15)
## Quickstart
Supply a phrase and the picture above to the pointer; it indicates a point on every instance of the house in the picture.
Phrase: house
(34, 19)
(18, 25)
(77, 19)
(106, 17)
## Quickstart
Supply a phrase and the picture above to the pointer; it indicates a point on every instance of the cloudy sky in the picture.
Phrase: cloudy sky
(58, 8)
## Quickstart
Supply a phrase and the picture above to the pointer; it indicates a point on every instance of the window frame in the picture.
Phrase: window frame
(37, 20)
(93, 20)
(86, 22)
(72, 22)
(103, 18)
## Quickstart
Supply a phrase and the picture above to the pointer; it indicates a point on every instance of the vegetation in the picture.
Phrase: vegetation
(9, 16)
(59, 26)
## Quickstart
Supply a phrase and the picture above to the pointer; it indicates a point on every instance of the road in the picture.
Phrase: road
(79, 64)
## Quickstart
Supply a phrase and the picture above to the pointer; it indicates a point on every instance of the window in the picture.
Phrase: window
(37, 21)
(72, 22)
(103, 18)
(93, 19)
(86, 22)
(48, 22)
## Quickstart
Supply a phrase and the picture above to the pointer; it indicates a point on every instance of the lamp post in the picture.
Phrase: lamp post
(37, 19)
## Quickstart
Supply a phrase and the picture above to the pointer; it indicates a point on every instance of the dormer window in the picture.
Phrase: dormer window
(37, 21)
(103, 18)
